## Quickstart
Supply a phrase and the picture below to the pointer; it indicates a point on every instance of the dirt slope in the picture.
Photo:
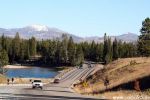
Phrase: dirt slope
(117, 72)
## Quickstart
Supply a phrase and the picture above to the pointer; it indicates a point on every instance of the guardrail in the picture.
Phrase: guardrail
(60, 75)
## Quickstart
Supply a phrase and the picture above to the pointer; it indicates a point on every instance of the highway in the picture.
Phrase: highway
(60, 91)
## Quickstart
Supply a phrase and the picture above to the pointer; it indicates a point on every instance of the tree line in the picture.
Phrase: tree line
(67, 52)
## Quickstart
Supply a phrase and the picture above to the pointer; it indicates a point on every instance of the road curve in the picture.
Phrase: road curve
(61, 91)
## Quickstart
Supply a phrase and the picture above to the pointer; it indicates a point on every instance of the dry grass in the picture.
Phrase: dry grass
(27, 80)
(122, 95)
(118, 72)
(2, 79)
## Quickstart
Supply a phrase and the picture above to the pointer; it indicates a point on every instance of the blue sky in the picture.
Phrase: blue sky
(80, 17)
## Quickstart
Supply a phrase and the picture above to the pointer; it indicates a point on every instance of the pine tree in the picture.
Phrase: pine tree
(105, 47)
(79, 55)
(16, 47)
(99, 52)
(58, 53)
(44, 51)
(3, 60)
(86, 50)
(27, 51)
(120, 49)
(144, 38)
(107, 51)
(64, 51)
(32, 46)
(93, 51)
(52, 52)
(115, 49)
(108, 57)
(24, 50)
(4, 42)
(71, 51)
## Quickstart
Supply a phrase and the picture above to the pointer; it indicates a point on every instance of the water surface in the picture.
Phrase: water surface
(33, 72)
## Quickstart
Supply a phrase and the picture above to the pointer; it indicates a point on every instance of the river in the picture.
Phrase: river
(33, 72)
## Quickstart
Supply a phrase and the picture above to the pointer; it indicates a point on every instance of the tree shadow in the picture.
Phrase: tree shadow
(47, 97)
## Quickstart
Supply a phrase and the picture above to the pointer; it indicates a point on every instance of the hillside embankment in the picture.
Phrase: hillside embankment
(128, 76)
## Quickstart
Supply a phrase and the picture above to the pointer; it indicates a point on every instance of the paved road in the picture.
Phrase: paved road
(61, 91)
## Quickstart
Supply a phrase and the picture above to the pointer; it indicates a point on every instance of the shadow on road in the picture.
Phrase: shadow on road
(58, 91)
(41, 97)
(55, 86)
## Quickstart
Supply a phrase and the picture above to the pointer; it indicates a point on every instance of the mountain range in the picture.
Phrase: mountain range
(43, 32)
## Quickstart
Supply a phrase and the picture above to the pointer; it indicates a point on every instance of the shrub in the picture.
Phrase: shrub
(133, 62)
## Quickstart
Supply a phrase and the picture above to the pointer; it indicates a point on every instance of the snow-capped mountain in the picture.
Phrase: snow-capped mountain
(37, 27)
(38, 31)
(44, 32)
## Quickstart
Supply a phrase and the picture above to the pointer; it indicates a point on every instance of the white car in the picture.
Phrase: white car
(37, 84)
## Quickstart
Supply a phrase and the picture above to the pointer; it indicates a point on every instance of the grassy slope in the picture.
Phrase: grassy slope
(118, 72)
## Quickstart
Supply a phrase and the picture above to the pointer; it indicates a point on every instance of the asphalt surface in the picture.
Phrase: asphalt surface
(60, 91)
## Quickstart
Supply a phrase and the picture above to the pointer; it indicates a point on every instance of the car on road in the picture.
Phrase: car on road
(37, 84)
(57, 80)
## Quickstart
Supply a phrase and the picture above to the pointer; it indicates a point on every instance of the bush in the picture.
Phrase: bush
(84, 84)
(133, 62)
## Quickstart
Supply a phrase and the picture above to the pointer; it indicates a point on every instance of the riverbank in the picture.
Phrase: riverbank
(25, 80)
(60, 68)
(16, 66)
(29, 80)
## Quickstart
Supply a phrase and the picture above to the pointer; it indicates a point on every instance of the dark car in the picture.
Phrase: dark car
(57, 80)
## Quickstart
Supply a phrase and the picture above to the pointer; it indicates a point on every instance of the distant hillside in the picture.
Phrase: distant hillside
(44, 32)
(129, 37)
